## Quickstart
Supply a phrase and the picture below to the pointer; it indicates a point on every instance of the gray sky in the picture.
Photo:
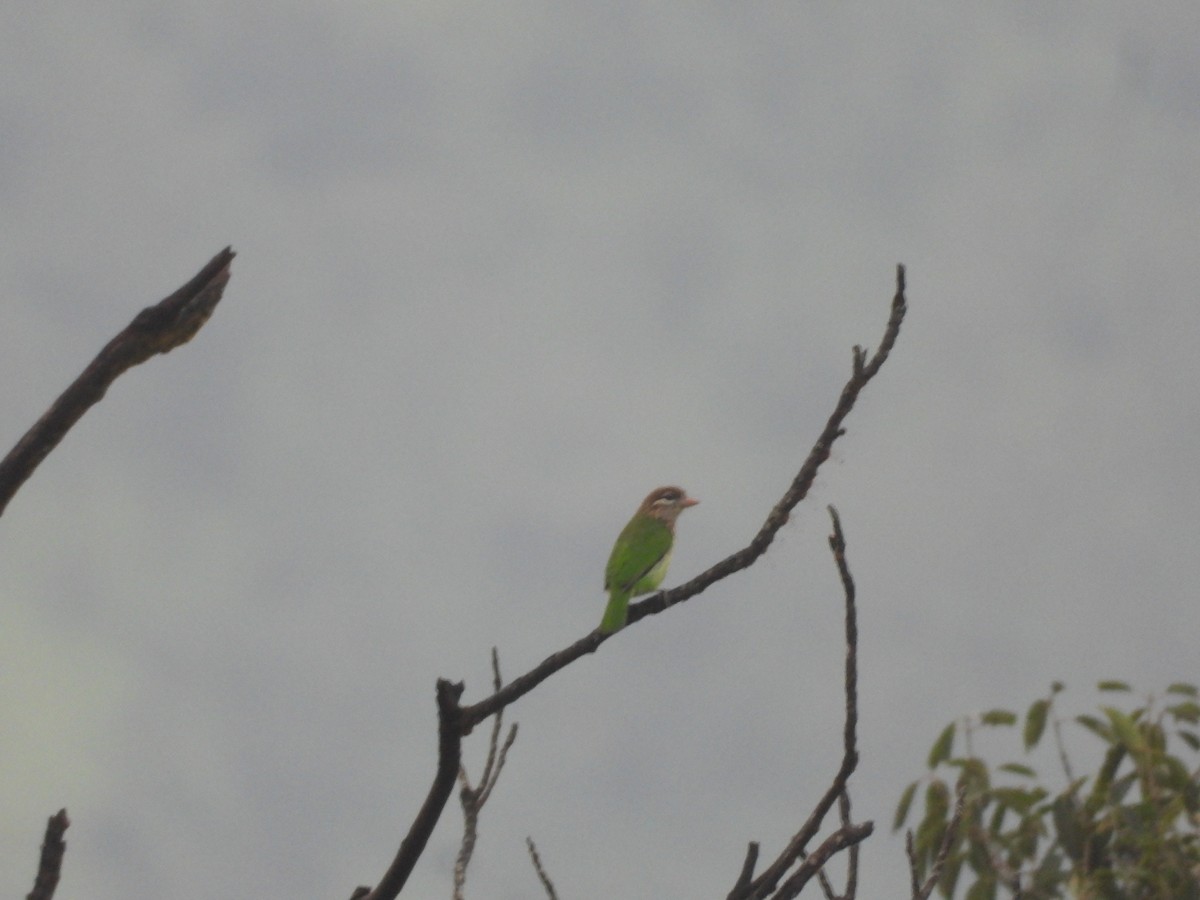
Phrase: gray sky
(502, 270)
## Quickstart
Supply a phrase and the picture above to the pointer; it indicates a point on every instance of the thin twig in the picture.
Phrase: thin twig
(464, 719)
(747, 874)
(449, 760)
(914, 877)
(541, 872)
(473, 799)
(852, 862)
(1009, 877)
(863, 371)
(840, 840)
(50, 864)
(851, 859)
(922, 891)
(848, 835)
(156, 329)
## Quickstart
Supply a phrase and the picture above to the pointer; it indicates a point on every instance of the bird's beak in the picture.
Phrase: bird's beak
(688, 501)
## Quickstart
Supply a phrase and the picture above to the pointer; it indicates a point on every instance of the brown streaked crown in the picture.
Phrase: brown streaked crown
(666, 503)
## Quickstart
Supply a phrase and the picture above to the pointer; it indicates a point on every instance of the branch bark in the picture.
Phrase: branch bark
(466, 718)
(474, 798)
(848, 835)
(50, 865)
(547, 884)
(449, 761)
(922, 891)
(864, 369)
(156, 329)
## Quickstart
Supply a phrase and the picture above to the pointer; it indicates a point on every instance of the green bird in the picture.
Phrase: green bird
(642, 553)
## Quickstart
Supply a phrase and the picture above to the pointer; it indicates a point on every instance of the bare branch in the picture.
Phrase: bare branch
(848, 835)
(473, 799)
(449, 761)
(50, 864)
(840, 840)
(466, 718)
(851, 861)
(156, 329)
(541, 873)
(922, 891)
(863, 371)
(913, 876)
(1007, 875)
(747, 874)
(495, 761)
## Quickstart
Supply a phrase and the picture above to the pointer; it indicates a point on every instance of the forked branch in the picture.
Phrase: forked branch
(474, 798)
(449, 761)
(864, 368)
(848, 835)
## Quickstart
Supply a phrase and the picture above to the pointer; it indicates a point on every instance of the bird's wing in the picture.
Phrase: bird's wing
(640, 547)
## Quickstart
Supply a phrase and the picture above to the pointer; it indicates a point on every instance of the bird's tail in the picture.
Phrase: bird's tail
(615, 613)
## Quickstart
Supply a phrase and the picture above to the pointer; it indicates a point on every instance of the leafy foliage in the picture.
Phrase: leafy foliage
(1129, 830)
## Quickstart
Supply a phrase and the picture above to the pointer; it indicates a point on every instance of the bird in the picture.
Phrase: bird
(640, 556)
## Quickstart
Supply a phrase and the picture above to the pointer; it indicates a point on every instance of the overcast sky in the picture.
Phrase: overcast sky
(502, 269)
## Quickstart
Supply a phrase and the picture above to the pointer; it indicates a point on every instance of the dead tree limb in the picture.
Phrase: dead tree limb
(156, 329)
(864, 369)
(547, 884)
(50, 865)
(768, 883)
(474, 798)
(449, 761)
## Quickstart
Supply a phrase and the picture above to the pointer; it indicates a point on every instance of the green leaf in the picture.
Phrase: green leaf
(1108, 771)
(937, 800)
(1018, 769)
(1113, 686)
(1048, 876)
(903, 806)
(1185, 712)
(1098, 848)
(940, 751)
(1191, 799)
(1026, 837)
(1190, 738)
(978, 858)
(999, 811)
(1070, 837)
(1121, 787)
(975, 775)
(1091, 723)
(929, 832)
(1154, 737)
(1035, 723)
(1187, 690)
(949, 876)
(1017, 799)
(1125, 728)
(983, 889)
(998, 717)
(928, 841)
(1178, 777)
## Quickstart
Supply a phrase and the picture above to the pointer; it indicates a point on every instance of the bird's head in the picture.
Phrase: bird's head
(666, 503)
